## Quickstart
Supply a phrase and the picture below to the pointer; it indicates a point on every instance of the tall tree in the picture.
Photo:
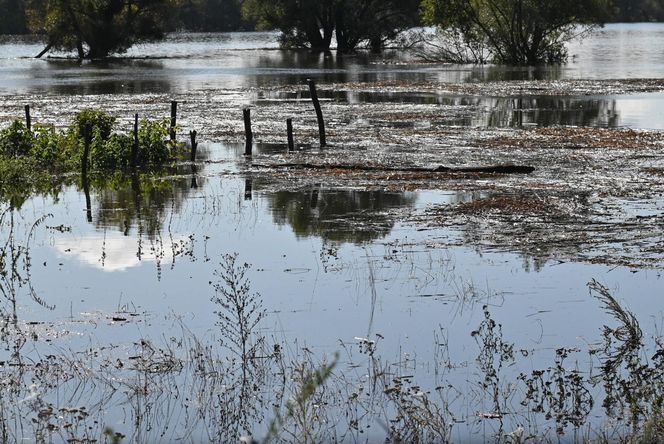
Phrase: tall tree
(373, 21)
(518, 32)
(303, 23)
(98, 28)
(313, 23)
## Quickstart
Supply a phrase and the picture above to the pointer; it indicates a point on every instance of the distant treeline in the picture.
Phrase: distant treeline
(190, 15)
(226, 15)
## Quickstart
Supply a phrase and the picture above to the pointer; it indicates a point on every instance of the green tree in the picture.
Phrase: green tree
(98, 28)
(313, 23)
(518, 32)
(303, 23)
(373, 21)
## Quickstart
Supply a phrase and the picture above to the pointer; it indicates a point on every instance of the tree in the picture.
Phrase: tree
(518, 32)
(303, 23)
(98, 28)
(313, 23)
(373, 21)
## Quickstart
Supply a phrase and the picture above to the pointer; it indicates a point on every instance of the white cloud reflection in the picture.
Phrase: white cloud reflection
(113, 251)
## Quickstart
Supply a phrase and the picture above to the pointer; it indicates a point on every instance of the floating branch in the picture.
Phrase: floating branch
(491, 169)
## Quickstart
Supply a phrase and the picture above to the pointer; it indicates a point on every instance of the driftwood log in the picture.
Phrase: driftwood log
(491, 169)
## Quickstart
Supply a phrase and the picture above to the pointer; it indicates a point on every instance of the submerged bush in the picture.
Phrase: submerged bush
(57, 152)
(34, 160)
(16, 140)
(100, 123)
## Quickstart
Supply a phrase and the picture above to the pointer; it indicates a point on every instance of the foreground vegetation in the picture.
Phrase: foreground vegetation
(241, 383)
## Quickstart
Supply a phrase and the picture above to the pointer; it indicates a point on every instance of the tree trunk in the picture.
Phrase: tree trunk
(79, 48)
(44, 51)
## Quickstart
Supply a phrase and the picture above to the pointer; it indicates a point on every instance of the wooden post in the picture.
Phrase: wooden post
(174, 117)
(248, 185)
(134, 147)
(247, 131)
(28, 123)
(319, 113)
(194, 145)
(87, 140)
(289, 129)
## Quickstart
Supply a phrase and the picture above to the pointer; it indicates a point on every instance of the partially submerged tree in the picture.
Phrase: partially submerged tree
(313, 23)
(98, 28)
(373, 22)
(518, 32)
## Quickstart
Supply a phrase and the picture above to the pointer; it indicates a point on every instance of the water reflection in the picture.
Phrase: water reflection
(127, 202)
(492, 112)
(189, 61)
(114, 76)
(338, 215)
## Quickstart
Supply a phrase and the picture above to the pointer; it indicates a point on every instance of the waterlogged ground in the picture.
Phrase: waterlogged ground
(422, 295)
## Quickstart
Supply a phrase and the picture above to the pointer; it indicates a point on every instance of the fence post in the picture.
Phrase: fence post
(319, 112)
(289, 129)
(247, 131)
(174, 118)
(194, 145)
(28, 122)
(134, 147)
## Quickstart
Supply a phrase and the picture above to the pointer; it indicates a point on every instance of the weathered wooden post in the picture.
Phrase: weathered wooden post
(319, 113)
(247, 131)
(87, 140)
(289, 129)
(174, 118)
(194, 170)
(248, 185)
(134, 147)
(194, 145)
(28, 122)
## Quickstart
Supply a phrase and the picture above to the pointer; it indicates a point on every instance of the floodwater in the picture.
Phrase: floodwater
(127, 280)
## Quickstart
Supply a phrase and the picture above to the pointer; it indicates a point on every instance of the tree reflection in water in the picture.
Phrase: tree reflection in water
(338, 215)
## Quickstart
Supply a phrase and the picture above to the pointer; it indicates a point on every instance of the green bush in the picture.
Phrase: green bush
(111, 154)
(48, 148)
(56, 152)
(16, 140)
(100, 123)
(154, 146)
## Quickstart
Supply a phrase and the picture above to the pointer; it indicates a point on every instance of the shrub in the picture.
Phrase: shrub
(111, 154)
(48, 148)
(16, 140)
(100, 123)
(154, 146)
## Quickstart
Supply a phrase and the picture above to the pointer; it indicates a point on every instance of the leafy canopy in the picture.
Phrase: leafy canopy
(98, 28)
(518, 32)
(313, 23)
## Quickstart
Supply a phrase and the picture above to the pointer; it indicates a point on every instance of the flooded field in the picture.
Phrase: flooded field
(475, 256)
